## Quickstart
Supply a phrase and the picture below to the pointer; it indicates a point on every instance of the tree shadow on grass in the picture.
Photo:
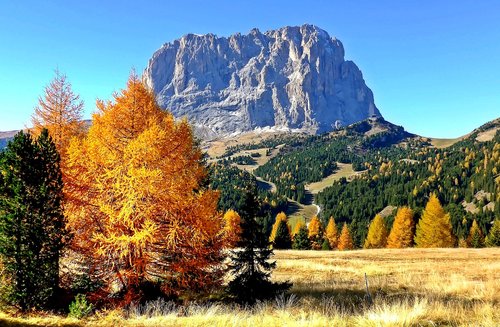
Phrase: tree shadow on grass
(352, 300)
(19, 322)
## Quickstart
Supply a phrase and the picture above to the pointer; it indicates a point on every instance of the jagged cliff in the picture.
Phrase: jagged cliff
(293, 77)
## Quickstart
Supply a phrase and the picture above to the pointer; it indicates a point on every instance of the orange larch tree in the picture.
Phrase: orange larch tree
(345, 240)
(377, 234)
(60, 111)
(297, 227)
(135, 200)
(434, 229)
(315, 228)
(331, 233)
(232, 228)
(403, 229)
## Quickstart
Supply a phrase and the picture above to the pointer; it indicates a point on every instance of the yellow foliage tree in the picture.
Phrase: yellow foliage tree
(297, 227)
(135, 200)
(345, 240)
(315, 233)
(60, 112)
(434, 229)
(232, 228)
(279, 217)
(331, 233)
(377, 234)
(403, 229)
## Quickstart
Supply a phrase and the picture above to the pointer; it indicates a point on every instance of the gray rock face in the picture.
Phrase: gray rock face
(290, 78)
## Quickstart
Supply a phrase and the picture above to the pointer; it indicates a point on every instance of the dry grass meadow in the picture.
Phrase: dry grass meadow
(410, 287)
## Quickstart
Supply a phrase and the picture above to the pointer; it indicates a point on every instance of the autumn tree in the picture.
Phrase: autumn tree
(331, 233)
(232, 228)
(345, 240)
(279, 217)
(136, 201)
(32, 225)
(300, 238)
(297, 227)
(377, 234)
(403, 229)
(60, 111)
(434, 228)
(493, 238)
(315, 233)
(476, 238)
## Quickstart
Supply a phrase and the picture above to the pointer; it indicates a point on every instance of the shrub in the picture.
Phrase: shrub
(80, 308)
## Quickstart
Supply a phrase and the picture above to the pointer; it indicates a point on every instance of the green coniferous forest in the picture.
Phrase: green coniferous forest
(396, 169)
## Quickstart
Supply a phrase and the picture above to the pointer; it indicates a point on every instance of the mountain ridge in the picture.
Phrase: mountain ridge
(294, 77)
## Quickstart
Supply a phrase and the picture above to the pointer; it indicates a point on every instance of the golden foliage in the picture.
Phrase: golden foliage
(315, 227)
(232, 228)
(434, 228)
(403, 229)
(135, 204)
(297, 227)
(331, 233)
(60, 112)
(377, 234)
(345, 240)
(315, 233)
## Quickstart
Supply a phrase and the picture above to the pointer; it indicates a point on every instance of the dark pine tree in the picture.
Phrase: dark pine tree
(301, 240)
(282, 240)
(250, 264)
(32, 226)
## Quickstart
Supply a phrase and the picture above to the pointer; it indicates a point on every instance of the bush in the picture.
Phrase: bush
(80, 308)
(325, 245)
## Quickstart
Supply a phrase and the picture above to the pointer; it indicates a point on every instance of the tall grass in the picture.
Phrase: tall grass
(434, 287)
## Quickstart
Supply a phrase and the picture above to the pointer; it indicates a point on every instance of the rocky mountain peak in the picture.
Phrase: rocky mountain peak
(293, 77)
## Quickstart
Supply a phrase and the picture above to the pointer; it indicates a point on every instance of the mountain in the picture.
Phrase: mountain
(5, 137)
(289, 78)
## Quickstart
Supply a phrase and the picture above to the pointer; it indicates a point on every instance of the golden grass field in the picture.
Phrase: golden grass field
(410, 287)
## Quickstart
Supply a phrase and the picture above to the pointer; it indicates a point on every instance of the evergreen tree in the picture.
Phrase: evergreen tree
(403, 229)
(493, 238)
(476, 238)
(250, 265)
(315, 233)
(434, 228)
(32, 225)
(377, 234)
(283, 240)
(279, 217)
(331, 233)
(301, 238)
(345, 240)
(326, 245)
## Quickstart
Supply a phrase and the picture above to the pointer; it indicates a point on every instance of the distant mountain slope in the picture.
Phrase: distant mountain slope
(292, 77)
(5, 137)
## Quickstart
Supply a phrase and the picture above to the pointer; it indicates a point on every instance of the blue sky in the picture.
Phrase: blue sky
(434, 66)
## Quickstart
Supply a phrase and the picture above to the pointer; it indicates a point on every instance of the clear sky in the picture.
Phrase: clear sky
(434, 66)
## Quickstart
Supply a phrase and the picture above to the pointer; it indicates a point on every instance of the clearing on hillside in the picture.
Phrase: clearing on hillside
(344, 170)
